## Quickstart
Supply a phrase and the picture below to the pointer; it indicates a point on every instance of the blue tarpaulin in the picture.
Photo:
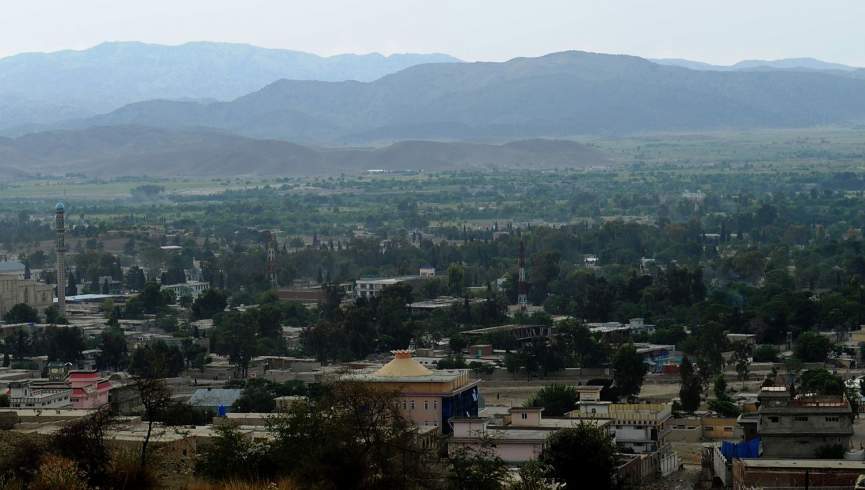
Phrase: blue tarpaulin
(747, 449)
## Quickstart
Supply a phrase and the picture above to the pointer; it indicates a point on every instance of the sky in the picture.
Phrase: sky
(715, 31)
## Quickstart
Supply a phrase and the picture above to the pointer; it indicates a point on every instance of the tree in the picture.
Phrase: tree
(64, 344)
(211, 302)
(112, 342)
(721, 388)
(52, 315)
(534, 475)
(812, 347)
(237, 335)
(581, 457)
(821, 382)
(456, 279)
(765, 353)
(351, 435)
(83, 441)
(21, 313)
(458, 343)
(629, 371)
(256, 397)
(233, 456)
(742, 358)
(152, 298)
(689, 393)
(156, 398)
(476, 469)
(555, 399)
(156, 360)
(513, 362)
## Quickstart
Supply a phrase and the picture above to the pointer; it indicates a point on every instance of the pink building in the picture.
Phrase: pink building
(88, 389)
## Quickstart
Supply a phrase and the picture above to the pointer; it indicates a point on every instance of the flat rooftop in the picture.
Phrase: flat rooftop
(805, 463)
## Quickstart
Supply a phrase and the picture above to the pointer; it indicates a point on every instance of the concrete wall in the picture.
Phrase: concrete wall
(798, 447)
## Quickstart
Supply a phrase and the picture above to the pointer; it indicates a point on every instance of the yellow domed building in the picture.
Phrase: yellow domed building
(426, 397)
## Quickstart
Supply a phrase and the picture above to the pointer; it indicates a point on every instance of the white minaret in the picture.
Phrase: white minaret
(60, 229)
(522, 287)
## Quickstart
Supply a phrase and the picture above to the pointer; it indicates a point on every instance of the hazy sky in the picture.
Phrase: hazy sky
(717, 31)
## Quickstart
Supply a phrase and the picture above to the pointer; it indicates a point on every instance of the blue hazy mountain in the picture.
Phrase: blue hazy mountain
(553, 96)
(111, 75)
(782, 64)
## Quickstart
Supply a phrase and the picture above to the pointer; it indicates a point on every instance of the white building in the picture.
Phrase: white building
(371, 287)
(192, 288)
(640, 427)
(23, 395)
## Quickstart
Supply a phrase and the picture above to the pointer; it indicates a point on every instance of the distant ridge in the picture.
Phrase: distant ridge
(133, 151)
(114, 74)
(782, 64)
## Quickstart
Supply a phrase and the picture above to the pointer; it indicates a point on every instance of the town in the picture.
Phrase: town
(496, 352)
(432, 245)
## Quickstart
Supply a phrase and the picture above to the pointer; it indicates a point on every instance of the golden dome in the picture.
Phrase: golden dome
(403, 365)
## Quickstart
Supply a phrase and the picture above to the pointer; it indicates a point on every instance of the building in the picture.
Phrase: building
(14, 268)
(520, 333)
(89, 390)
(520, 439)
(427, 271)
(193, 288)
(656, 356)
(14, 290)
(23, 394)
(638, 427)
(426, 397)
(371, 287)
(801, 427)
(796, 473)
(717, 428)
(214, 398)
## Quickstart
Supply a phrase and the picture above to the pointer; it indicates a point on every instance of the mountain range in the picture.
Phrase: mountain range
(138, 151)
(110, 75)
(557, 95)
(440, 115)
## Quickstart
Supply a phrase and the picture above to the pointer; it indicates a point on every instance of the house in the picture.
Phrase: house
(427, 272)
(803, 426)
(638, 427)
(214, 398)
(520, 439)
(427, 397)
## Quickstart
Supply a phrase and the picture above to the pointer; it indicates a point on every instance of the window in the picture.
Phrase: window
(426, 404)
(403, 405)
(800, 418)
(774, 420)
(435, 404)
(728, 429)
(832, 419)
(412, 404)
(524, 416)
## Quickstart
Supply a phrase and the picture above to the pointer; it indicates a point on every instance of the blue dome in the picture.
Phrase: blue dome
(59, 207)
